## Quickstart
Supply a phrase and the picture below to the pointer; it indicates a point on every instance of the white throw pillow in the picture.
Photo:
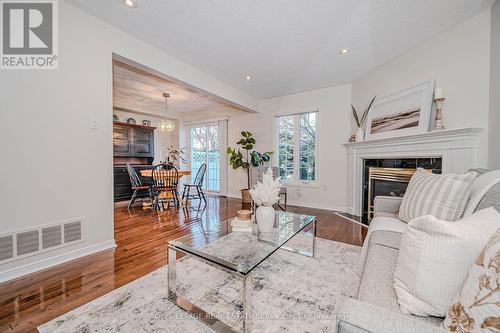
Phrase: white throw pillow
(443, 196)
(435, 257)
(477, 307)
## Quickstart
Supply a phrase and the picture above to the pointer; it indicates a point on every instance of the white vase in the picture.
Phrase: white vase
(360, 134)
(265, 218)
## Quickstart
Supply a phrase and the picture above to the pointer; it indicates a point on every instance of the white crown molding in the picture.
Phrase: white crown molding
(55, 260)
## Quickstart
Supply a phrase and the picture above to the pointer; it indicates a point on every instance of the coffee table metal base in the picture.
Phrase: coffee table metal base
(212, 321)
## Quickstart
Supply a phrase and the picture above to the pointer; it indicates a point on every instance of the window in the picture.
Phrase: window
(297, 146)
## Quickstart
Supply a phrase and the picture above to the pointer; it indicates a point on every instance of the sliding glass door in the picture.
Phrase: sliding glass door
(205, 148)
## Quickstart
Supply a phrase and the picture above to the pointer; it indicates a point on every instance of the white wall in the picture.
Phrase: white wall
(494, 132)
(333, 105)
(54, 167)
(458, 60)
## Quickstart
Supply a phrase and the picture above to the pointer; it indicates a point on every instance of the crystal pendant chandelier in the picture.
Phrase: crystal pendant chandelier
(166, 125)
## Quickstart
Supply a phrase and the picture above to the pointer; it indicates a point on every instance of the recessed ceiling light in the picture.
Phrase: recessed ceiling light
(344, 51)
(248, 77)
(130, 3)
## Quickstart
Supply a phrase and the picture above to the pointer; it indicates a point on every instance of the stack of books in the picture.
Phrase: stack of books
(240, 225)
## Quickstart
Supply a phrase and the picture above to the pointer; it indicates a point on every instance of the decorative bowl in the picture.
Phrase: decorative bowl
(131, 121)
(244, 215)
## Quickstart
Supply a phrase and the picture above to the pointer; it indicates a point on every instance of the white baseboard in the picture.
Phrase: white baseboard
(30, 268)
(317, 206)
(301, 204)
(234, 195)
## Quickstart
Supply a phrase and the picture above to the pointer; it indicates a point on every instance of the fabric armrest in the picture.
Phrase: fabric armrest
(359, 317)
(387, 204)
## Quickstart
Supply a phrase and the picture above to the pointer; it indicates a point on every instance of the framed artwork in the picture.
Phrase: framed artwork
(404, 113)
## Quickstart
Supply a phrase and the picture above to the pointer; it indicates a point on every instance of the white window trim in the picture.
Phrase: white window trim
(298, 183)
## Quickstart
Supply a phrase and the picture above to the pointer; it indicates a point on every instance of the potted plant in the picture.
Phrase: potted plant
(265, 195)
(250, 158)
(360, 122)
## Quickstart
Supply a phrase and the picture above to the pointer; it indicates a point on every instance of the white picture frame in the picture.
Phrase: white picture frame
(403, 113)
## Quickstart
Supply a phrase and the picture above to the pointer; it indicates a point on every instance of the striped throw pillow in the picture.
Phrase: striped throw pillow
(442, 196)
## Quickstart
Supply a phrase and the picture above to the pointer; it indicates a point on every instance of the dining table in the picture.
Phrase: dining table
(149, 173)
(166, 195)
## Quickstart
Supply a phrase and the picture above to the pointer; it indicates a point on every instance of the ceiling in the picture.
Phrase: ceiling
(137, 90)
(286, 46)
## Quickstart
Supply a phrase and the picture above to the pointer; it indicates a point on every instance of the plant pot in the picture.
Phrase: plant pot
(245, 196)
(265, 217)
(360, 134)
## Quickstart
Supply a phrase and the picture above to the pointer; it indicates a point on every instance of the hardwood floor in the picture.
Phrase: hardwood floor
(141, 238)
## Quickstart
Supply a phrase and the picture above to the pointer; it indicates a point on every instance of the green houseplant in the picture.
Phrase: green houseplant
(247, 159)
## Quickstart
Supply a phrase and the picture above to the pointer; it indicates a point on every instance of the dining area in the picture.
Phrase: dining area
(162, 186)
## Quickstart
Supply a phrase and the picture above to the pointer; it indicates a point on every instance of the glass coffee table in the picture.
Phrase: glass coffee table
(238, 253)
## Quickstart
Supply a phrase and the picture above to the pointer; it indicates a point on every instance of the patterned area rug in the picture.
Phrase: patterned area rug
(291, 293)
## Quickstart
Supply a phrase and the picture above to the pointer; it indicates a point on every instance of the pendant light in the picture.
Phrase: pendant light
(166, 125)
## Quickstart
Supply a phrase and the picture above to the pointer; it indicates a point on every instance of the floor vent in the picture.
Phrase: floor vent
(22, 243)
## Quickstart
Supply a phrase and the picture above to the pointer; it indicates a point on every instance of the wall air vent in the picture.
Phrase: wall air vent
(51, 236)
(6, 247)
(72, 231)
(18, 244)
(27, 242)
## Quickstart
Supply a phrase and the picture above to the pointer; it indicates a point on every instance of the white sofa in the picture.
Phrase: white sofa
(376, 308)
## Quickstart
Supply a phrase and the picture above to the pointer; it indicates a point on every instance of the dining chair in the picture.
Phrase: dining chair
(197, 184)
(138, 187)
(165, 180)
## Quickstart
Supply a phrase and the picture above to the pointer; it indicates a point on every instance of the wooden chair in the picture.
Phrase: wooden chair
(137, 186)
(165, 180)
(197, 184)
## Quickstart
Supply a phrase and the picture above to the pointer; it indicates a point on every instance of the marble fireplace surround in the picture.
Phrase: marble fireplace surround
(460, 150)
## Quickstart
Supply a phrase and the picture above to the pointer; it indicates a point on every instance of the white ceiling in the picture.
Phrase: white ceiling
(287, 46)
(137, 90)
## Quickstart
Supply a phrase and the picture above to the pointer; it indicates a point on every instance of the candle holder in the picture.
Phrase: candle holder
(438, 122)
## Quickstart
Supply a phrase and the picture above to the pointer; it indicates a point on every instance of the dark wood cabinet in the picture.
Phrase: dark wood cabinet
(122, 186)
(131, 140)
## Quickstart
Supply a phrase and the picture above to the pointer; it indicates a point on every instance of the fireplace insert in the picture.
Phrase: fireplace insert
(390, 177)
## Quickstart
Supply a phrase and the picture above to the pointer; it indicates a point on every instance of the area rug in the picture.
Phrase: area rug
(290, 293)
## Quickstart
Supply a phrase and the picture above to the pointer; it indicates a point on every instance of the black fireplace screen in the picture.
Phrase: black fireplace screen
(390, 187)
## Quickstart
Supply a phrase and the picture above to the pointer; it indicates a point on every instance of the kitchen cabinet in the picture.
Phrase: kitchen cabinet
(130, 140)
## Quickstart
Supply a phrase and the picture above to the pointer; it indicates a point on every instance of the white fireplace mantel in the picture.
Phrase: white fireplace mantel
(460, 150)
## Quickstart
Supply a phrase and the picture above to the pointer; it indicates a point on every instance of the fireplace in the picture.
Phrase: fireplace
(445, 151)
(390, 177)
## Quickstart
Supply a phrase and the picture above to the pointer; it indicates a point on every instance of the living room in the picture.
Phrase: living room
(347, 107)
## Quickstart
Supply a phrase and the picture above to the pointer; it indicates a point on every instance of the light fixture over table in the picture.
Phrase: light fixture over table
(166, 125)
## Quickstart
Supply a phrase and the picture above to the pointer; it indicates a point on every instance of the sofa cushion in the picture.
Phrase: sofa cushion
(443, 196)
(491, 199)
(377, 282)
(379, 223)
(483, 192)
(435, 257)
